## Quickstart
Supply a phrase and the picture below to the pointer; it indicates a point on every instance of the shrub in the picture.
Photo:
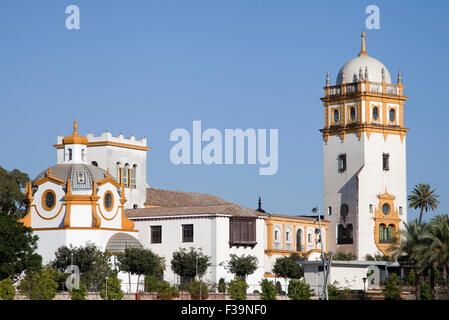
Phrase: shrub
(39, 285)
(333, 292)
(7, 290)
(79, 294)
(166, 291)
(114, 289)
(268, 290)
(411, 278)
(222, 285)
(237, 289)
(198, 290)
(392, 289)
(279, 288)
(299, 290)
(425, 292)
(151, 284)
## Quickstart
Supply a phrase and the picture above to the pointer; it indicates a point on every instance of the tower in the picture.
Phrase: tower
(364, 157)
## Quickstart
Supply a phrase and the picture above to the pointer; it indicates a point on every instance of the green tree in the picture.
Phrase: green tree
(94, 264)
(242, 266)
(268, 290)
(392, 289)
(7, 289)
(151, 283)
(17, 248)
(222, 285)
(187, 263)
(114, 289)
(299, 290)
(425, 291)
(39, 285)
(423, 198)
(237, 289)
(138, 261)
(11, 196)
(288, 267)
(79, 294)
(198, 290)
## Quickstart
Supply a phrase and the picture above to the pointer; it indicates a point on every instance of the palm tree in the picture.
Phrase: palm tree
(423, 198)
(411, 239)
(433, 251)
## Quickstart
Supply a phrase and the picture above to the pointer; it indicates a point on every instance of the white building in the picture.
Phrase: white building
(364, 157)
(75, 202)
(174, 220)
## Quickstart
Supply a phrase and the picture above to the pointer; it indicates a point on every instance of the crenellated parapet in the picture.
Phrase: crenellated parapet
(108, 139)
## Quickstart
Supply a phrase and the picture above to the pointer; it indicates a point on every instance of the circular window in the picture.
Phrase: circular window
(352, 114)
(392, 115)
(108, 200)
(386, 209)
(49, 200)
(375, 113)
(336, 115)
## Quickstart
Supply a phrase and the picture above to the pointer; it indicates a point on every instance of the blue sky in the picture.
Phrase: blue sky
(148, 67)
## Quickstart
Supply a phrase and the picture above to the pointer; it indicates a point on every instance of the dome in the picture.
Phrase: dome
(363, 67)
(81, 175)
(372, 65)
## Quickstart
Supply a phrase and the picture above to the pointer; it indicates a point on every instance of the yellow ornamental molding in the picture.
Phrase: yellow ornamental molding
(386, 217)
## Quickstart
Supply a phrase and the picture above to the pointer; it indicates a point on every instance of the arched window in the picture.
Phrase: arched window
(126, 175)
(299, 238)
(83, 154)
(382, 233)
(344, 209)
(392, 115)
(375, 113)
(336, 116)
(352, 114)
(118, 174)
(70, 154)
(133, 176)
(344, 234)
(276, 235)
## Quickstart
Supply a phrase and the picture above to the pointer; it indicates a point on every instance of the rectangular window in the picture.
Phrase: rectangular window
(386, 161)
(400, 211)
(309, 239)
(342, 162)
(156, 234)
(329, 211)
(370, 208)
(187, 233)
(70, 154)
(242, 231)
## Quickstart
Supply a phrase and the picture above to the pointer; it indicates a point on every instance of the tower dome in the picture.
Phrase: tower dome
(363, 67)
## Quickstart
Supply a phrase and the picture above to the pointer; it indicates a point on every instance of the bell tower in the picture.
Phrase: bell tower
(364, 157)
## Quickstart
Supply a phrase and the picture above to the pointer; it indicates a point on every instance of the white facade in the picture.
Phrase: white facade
(211, 234)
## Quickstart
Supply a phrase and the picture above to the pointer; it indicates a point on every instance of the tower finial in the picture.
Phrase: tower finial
(328, 82)
(75, 126)
(399, 77)
(260, 206)
(363, 51)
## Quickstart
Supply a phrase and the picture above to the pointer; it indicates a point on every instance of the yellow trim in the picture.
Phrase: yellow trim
(104, 202)
(108, 143)
(380, 218)
(51, 218)
(109, 219)
(44, 205)
(82, 228)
